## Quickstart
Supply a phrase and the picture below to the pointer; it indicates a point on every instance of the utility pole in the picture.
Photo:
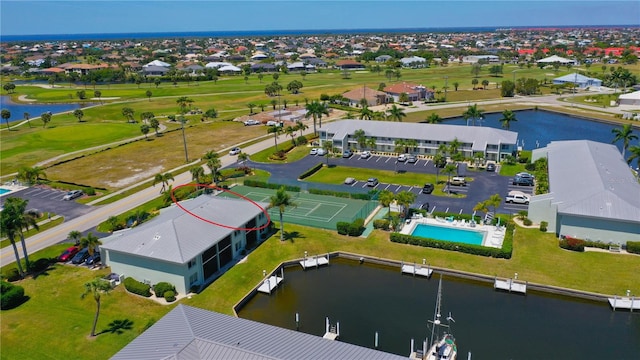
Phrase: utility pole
(184, 138)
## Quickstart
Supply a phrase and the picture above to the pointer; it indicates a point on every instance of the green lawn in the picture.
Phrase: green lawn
(337, 175)
(55, 306)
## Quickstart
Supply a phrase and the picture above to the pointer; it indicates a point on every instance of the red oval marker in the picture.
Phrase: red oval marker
(264, 211)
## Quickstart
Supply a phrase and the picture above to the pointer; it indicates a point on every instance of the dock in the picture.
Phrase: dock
(624, 303)
(510, 285)
(332, 332)
(416, 270)
(270, 284)
(315, 261)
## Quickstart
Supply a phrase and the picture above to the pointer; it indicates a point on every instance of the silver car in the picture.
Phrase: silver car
(72, 195)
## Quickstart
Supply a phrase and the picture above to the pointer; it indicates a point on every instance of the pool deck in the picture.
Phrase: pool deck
(494, 235)
(11, 187)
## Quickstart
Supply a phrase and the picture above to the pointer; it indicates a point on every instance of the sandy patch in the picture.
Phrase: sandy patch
(105, 98)
(139, 176)
(25, 99)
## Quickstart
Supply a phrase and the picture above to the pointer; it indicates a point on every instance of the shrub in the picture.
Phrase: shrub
(12, 275)
(266, 185)
(90, 191)
(633, 247)
(341, 194)
(527, 222)
(356, 227)
(39, 265)
(523, 159)
(170, 296)
(342, 227)
(572, 244)
(161, 289)
(311, 171)
(301, 140)
(134, 286)
(543, 226)
(530, 167)
(12, 296)
(381, 224)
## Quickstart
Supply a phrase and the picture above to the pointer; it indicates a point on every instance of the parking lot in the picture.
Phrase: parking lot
(50, 200)
(480, 184)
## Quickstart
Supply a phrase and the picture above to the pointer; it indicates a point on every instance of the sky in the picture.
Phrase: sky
(20, 17)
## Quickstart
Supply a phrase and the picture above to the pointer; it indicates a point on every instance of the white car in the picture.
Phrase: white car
(321, 152)
(274, 123)
(365, 155)
(349, 181)
(235, 151)
(72, 195)
(402, 157)
(251, 122)
(313, 151)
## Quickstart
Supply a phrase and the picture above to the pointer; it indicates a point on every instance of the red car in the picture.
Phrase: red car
(68, 254)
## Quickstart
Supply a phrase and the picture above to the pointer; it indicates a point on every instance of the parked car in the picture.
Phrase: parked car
(321, 152)
(524, 175)
(251, 122)
(425, 206)
(427, 188)
(80, 257)
(347, 154)
(68, 254)
(458, 181)
(93, 259)
(522, 181)
(372, 182)
(274, 123)
(314, 151)
(491, 167)
(402, 157)
(235, 151)
(411, 159)
(72, 195)
(518, 198)
(349, 181)
(365, 154)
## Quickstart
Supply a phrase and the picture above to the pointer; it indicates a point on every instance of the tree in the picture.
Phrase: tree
(396, 113)
(96, 288)
(184, 102)
(144, 128)
(260, 76)
(154, 124)
(434, 119)
(385, 198)
(211, 113)
(128, 113)
(157, 82)
(98, 94)
(508, 117)
(6, 115)
(485, 83)
(15, 218)
(474, 82)
(495, 70)
(162, 179)
(449, 169)
(316, 109)
(197, 174)
(473, 113)
(507, 89)
(291, 131)
(456, 85)
(482, 206)
(31, 175)
(625, 133)
(75, 236)
(212, 160)
(46, 118)
(404, 200)
(360, 137)
(328, 148)
(275, 130)
(251, 106)
(81, 94)
(634, 154)
(403, 98)
(294, 86)
(90, 242)
(146, 116)
(148, 93)
(494, 202)
(438, 160)
(78, 114)
(300, 126)
(281, 200)
(26, 117)
(366, 113)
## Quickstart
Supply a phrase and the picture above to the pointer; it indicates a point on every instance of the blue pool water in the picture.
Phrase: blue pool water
(4, 191)
(448, 234)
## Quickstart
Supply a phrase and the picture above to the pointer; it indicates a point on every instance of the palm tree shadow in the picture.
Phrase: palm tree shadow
(118, 327)
(292, 236)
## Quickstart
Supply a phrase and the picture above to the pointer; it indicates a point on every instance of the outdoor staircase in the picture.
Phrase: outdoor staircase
(488, 218)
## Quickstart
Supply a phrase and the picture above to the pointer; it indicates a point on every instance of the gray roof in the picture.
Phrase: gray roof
(176, 236)
(575, 77)
(478, 136)
(191, 333)
(592, 179)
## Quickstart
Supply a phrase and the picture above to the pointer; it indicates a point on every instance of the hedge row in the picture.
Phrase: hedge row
(572, 244)
(311, 171)
(381, 224)
(354, 228)
(341, 194)
(134, 286)
(633, 247)
(161, 288)
(266, 185)
(504, 253)
(12, 295)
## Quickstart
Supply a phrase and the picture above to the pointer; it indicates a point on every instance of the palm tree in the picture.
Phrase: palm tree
(396, 113)
(301, 127)
(634, 153)
(144, 128)
(494, 202)
(96, 288)
(449, 169)
(74, 235)
(456, 85)
(20, 219)
(434, 119)
(162, 179)
(281, 200)
(46, 118)
(78, 114)
(91, 242)
(473, 113)
(197, 173)
(437, 159)
(328, 148)
(405, 199)
(485, 83)
(184, 102)
(361, 139)
(6, 115)
(27, 116)
(213, 163)
(154, 124)
(316, 109)
(149, 94)
(30, 175)
(275, 130)
(625, 134)
(508, 116)
(366, 113)
(371, 143)
(10, 226)
(385, 198)
(251, 106)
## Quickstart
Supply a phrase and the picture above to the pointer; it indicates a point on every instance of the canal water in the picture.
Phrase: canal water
(538, 128)
(368, 298)
(35, 110)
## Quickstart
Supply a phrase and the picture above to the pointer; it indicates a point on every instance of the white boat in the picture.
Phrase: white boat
(443, 347)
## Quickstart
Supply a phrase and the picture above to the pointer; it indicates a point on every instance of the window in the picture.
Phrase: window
(237, 246)
(193, 278)
(192, 263)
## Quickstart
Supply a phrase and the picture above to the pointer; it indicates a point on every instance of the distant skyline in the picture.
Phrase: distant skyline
(98, 16)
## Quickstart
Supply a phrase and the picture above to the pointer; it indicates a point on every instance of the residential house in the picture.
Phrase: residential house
(373, 97)
(414, 91)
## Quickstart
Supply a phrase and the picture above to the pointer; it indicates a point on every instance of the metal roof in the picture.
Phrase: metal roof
(478, 136)
(191, 333)
(592, 179)
(177, 236)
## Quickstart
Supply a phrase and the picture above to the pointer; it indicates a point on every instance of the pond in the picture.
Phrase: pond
(368, 298)
(36, 109)
(537, 128)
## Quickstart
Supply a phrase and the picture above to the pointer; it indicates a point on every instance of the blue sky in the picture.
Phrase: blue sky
(96, 16)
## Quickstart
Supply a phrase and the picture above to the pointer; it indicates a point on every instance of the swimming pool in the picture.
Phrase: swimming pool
(4, 191)
(448, 234)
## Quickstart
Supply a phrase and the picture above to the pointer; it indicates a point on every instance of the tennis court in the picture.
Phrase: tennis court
(310, 210)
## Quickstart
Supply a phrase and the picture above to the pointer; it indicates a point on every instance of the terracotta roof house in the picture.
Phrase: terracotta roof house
(84, 69)
(416, 92)
(183, 250)
(349, 65)
(373, 97)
